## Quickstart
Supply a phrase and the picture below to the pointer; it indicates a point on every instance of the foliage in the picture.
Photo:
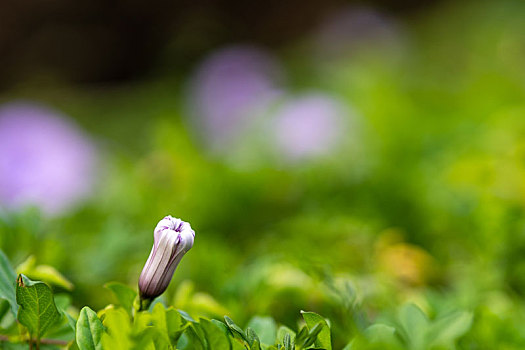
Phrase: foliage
(121, 326)
(412, 236)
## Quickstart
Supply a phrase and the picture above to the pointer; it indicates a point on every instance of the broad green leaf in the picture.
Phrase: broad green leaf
(265, 328)
(221, 325)
(151, 338)
(37, 308)
(324, 338)
(144, 339)
(216, 335)
(118, 329)
(167, 321)
(7, 282)
(234, 328)
(252, 337)
(238, 344)
(141, 321)
(143, 332)
(349, 346)
(281, 333)
(414, 325)
(89, 330)
(174, 325)
(380, 333)
(302, 335)
(312, 335)
(124, 295)
(70, 320)
(447, 329)
(65, 328)
(44, 273)
(191, 340)
(226, 330)
(62, 301)
(5, 307)
(186, 316)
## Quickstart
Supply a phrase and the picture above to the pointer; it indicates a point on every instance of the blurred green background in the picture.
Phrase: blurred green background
(411, 190)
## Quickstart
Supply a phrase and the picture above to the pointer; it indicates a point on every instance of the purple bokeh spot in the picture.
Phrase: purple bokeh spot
(309, 126)
(352, 28)
(228, 89)
(45, 160)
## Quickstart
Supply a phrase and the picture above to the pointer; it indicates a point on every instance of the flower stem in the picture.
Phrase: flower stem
(144, 304)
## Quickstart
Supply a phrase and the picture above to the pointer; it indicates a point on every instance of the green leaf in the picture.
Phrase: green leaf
(252, 337)
(151, 338)
(234, 328)
(265, 328)
(44, 273)
(167, 321)
(186, 316)
(66, 327)
(5, 307)
(71, 321)
(238, 344)
(89, 330)
(216, 335)
(302, 335)
(63, 302)
(37, 308)
(349, 346)
(324, 338)
(282, 332)
(7, 282)
(312, 335)
(174, 326)
(191, 340)
(118, 329)
(124, 295)
(287, 342)
(414, 324)
(447, 329)
(199, 331)
(380, 333)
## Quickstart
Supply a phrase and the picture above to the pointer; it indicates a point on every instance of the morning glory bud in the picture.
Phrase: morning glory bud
(172, 239)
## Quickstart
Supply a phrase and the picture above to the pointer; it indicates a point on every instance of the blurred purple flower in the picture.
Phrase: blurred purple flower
(230, 87)
(45, 160)
(309, 126)
(353, 28)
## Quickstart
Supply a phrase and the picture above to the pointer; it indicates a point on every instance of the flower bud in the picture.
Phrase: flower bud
(172, 239)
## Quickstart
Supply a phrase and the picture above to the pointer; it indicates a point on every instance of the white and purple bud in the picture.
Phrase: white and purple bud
(172, 239)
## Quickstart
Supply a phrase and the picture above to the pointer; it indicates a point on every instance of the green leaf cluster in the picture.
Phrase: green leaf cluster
(167, 328)
(31, 314)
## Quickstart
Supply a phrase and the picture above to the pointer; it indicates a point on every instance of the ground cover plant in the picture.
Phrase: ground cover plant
(32, 316)
(344, 191)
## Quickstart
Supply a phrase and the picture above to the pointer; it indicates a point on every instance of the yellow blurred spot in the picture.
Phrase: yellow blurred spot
(406, 263)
